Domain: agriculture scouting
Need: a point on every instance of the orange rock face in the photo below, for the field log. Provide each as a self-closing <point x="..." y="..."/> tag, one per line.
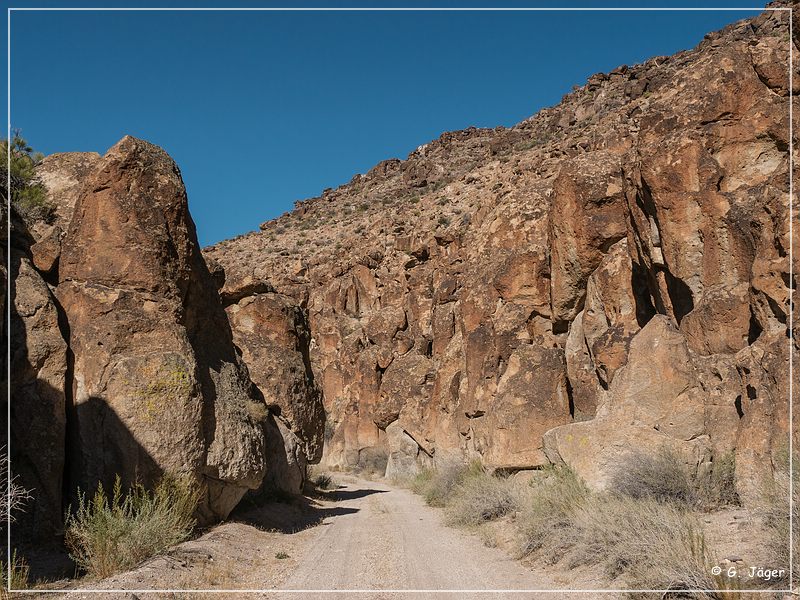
<point x="613" y="269"/>
<point x="155" y="384"/>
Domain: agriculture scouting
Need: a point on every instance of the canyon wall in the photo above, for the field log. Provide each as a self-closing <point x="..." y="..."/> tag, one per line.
<point x="610" y="274"/>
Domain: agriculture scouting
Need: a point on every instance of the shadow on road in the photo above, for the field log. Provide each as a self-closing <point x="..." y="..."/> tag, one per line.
<point x="290" y="514"/>
<point x="340" y="494"/>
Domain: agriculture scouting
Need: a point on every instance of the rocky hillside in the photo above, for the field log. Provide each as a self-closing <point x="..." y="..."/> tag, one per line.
<point x="610" y="273"/>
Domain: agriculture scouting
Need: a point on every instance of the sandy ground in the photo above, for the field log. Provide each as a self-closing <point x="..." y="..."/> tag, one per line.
<point x="364" y="536"/>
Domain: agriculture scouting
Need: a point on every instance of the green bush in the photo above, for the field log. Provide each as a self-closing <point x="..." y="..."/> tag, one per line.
<point x="27" y="195"/>
<point x="106" y="535"/>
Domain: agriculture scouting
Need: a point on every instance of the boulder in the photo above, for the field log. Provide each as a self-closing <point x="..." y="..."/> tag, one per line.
<point x="273" y="334"/>
<point x="157" y="385"/>
<point x="655" y="401"/>
<point x="286" y="471"/>
<point x="38" y="414"/>
<point x="62" y="174"/>
<point x="587" y="217"/>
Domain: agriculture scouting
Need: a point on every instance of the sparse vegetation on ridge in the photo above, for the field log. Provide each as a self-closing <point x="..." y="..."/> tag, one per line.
<point x="27" y="195"/>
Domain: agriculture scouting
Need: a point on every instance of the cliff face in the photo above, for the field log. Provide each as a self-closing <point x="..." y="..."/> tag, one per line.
<point x="123" y="359"/>
<point x="610" y="272"/>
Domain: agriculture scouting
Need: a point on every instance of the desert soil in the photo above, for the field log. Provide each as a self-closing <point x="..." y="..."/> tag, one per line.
<point x="364" y="535"/>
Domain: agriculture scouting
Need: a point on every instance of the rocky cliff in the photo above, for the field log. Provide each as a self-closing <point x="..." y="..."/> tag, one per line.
<point x="123" y="359"/>
<point x="611" y="273"/>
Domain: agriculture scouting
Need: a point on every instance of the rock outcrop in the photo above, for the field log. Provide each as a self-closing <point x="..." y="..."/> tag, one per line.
<point x="273" y="335"/>
<point x="155" y="384"/>
<point x="38" y="376"/>
<point x="613" y="270"/>
<point x="62" y="175"/>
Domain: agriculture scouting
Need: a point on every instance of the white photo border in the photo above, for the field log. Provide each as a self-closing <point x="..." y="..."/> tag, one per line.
<point x="789" y="9"/>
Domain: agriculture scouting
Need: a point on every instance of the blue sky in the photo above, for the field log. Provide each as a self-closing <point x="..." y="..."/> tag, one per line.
<point x="260" y="109"/>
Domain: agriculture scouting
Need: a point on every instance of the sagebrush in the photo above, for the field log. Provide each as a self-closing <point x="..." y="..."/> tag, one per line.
<point x="437" y="485"/>
<point x="547" y="517"/>
<point x="108" y="534"/>
<point x="652" y="544"/>
<point x="665" y="476"/>
<point x="644" y="533"/>
<point x="13" y="575"/>
<point x="775" y="508"/>
<point x="481" y="497"/>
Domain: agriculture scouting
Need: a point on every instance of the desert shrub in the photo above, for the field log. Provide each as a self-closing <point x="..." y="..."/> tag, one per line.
<point x="656" y="545"/>
<point x="774" y="507"/>
<point x="27" y="195"/>
<point x="663" y="476"/>
<point x="420" y="481"/>
<point x="719" y="487"/>
<point x="258" y="411"/>
<point x="106" y="535"/>
<point x="437" y="485"/>
<point x="14" y="577"/>
<point x="323" y="481"/>
<point x="546" y="520"/>
<point x="372" y="461"/>
<point x="14" y="497"/>
<point x="481" y="498"/>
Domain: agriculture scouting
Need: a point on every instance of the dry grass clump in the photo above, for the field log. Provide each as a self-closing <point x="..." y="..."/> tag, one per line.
<point x="437" y="485"/>
<point x="14" y="496"/>
<point x="106" y="535"/>
<point x="655" y="545"/>
<point x="480" y="498"/>
<point x="14" y="577"/>
<point x="643" y="531"/>
<point x="546" y="521"/>
<point x="774" y="507"/>
<point x="323" y="481"/>
<point x="664" y="476"/>
<point x="661" y="476"/>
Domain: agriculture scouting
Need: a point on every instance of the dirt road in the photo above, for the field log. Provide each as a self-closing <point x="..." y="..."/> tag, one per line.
<point x="387" y="538"/>
<point x="363" y="536"/>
